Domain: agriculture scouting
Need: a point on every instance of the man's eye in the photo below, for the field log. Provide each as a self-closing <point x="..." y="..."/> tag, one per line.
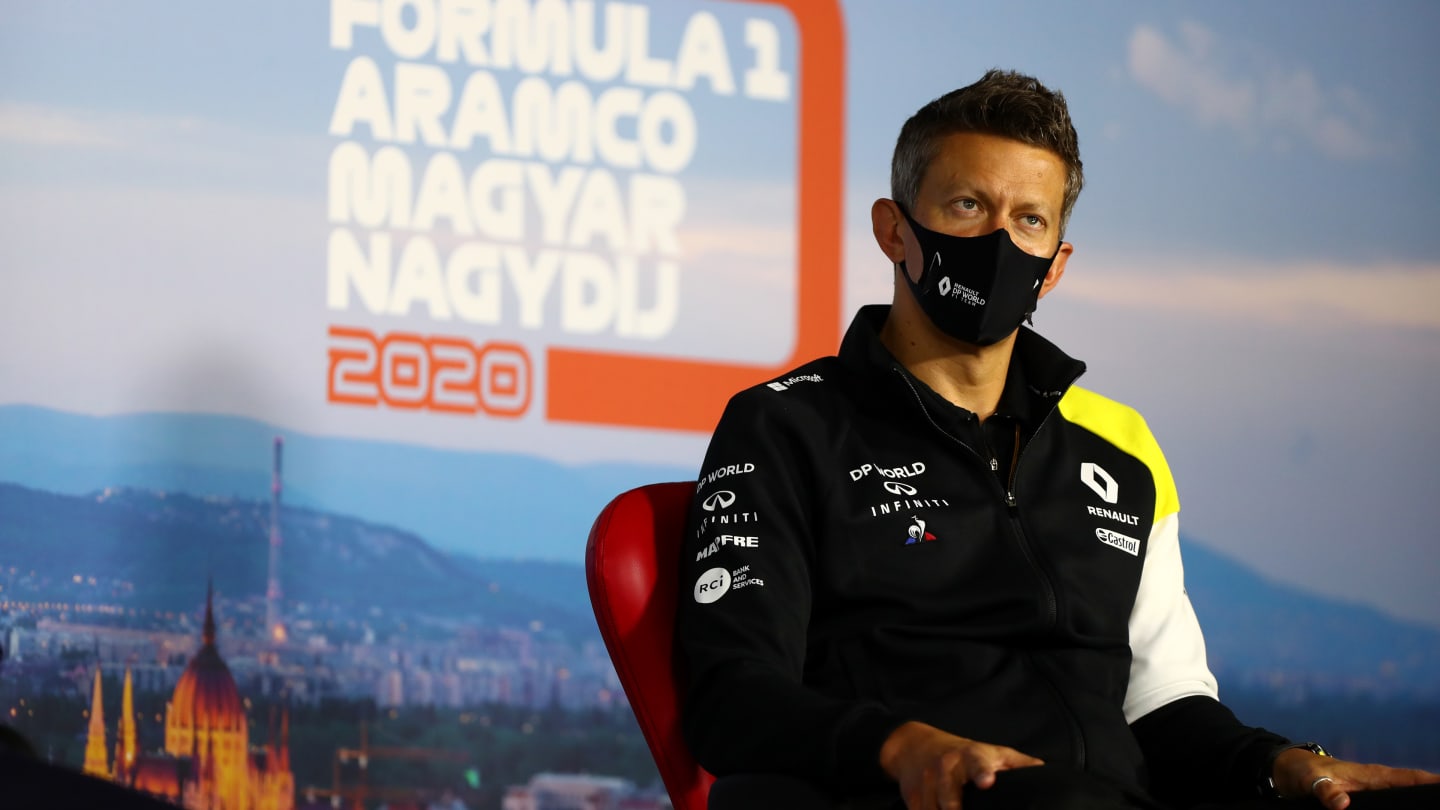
<point x="967" y="205"/>
<point x="1033" y="221"/>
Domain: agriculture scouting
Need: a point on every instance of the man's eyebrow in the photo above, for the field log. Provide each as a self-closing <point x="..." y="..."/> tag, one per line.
<point x="961" y="188"/>
<point x="1039" y="205"/>
<point x="1036" y="201"/>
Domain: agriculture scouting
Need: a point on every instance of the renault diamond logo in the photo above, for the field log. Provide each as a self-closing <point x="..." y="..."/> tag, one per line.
<point x="899" y="488"/>
<point x="945" y="286"/>
<point x="1094" y="476"/>
<point x="722" y="499"/>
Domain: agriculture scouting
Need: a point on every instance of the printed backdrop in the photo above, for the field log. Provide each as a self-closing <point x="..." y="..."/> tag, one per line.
<point x="329" y="328"/>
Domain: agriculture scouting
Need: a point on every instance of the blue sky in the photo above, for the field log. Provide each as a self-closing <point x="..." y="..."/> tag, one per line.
<point x="1278" y="129"/>
<point x="1254" y="270"/>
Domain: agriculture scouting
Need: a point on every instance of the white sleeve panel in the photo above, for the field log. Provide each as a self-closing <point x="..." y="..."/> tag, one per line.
<point x="1167" y="648"/>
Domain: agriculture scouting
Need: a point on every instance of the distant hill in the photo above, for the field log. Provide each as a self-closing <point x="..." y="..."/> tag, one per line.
<point x="1260" y="633"/>
<point x="156" y="550"/>
<point x="558" y="584"/>
<point x="500" y="505"/>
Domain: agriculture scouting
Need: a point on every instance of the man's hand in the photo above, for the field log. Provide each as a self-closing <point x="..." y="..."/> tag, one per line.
<point x="1301" y="773"/>
<point x="932" y="766"/>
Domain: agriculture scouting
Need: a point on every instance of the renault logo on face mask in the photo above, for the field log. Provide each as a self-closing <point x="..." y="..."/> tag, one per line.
<point x="722" y="499"/>
<point x="1094" y="476"/>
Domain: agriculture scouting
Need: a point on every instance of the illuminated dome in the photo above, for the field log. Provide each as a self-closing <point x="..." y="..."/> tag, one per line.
<point x="206" y="696"/>
<point x="206" y="702"/>
<point x="208" y="760"/>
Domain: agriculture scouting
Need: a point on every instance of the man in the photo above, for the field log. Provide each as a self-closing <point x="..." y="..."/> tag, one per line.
<point x="932" y="567"/>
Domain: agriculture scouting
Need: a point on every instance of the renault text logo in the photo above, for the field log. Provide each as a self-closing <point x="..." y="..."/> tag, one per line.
<point x="899" y="488"/>
<point x="1099" y="482"/>
<point x="723" y="499"/>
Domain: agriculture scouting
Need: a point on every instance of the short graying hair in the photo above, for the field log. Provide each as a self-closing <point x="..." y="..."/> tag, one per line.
<point x="1005" y="103"/>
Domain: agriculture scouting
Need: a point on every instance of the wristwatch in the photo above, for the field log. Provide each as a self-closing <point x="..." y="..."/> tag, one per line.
<point x="1266" y="782"/>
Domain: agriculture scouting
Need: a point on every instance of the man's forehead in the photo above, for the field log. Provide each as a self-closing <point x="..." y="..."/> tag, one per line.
<point x="979" y="159"/>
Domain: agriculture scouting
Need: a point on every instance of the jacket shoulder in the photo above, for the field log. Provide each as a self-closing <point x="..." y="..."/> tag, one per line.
<point x="1124" y="427"/>
<point x="808" y="386"/>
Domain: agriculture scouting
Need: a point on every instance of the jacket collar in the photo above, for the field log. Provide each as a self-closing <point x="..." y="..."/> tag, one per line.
<point x="1039" y="375"/>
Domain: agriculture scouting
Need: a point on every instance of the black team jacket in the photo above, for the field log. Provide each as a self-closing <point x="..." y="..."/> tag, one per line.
<point x="862" y="553"/>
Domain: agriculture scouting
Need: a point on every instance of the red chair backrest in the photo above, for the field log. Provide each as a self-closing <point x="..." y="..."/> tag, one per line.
<point x="631" y="563"/>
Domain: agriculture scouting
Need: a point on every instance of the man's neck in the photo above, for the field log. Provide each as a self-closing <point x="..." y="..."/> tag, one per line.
<point x="967" y="375"/>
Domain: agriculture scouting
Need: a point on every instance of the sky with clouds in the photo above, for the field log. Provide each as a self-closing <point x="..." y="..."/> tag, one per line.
<point x="1255" y="251"/>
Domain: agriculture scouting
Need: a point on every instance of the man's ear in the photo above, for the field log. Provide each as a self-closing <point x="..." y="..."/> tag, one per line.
<point x="1057" y="268"/>
<point x="886" y="222"/>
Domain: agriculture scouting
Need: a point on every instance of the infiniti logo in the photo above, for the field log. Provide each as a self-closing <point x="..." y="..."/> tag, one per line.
<point x="722" y="499"/>
<point x="899" y="488"/>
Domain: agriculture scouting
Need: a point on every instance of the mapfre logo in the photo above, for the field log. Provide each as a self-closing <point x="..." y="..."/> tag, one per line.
<point x="720" y="499"/>
<point x="1100" y="482"/>
<point x="712" y="585"/>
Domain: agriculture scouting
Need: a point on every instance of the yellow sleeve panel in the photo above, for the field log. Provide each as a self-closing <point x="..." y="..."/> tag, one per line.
<point x="1125" y="428"/>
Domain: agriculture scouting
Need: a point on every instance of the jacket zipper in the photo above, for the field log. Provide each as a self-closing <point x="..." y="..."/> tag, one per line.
<point x="1048" y="585"/>
<point x="1014" y="465"/>
<point x="1077" y="733"/>
<point x="1051" y="604"/>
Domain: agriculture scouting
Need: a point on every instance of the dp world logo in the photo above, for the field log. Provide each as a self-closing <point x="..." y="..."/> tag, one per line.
<point x="944" y="286"/>
<point x="1094" y="476"/>
<point x="723" y="499"/>
<point x="899" y="488"/>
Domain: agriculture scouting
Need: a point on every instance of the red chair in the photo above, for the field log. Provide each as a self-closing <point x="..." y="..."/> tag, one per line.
<point x="631" y="561"/>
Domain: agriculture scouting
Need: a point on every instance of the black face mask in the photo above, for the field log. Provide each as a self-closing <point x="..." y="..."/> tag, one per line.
<point x="976" y="288"/>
